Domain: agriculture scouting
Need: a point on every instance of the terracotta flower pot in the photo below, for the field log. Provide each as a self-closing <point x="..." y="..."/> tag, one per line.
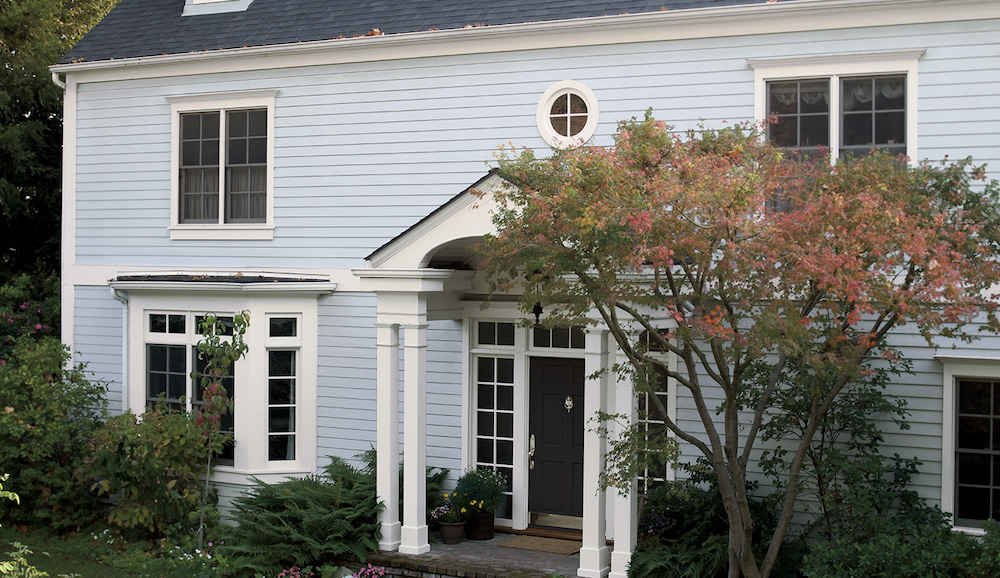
<point x="452" y="532"/>
<point x="480" y="527"/>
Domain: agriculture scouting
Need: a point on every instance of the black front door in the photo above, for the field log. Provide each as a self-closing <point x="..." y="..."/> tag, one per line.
<point x="555" y="420"/>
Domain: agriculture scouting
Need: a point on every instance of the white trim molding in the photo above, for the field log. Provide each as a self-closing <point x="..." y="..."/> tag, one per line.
<point x="544" y="114"/>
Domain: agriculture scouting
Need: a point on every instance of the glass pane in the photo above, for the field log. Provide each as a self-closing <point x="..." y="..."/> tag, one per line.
<point x="157" y="323"/>
<point x="890" y="127"/>
<point x="280" y="447"/>
<point x="974" y="469"/>
<point x="576" y="124"/>
<point x="857" y="129"/>
<point x="508" y="475"/>
<point x="505" y="397"/>
<point x="974" y="433"/>
<point x="814" y="96"/>
<point x="505" y="334"/>
<point x="505" y="370"/>
<point x="486" y="369"/>
<point x="505" y="425"/>
<point x="190" y="153"/>
<point x="484" y="450"/>
<point x="560" y="337"/>
<point x="237" y="151"/>
<point x="257" y="151"/>
<point x="784" y="132"/>
<point x="281" y="419"/>
<point x="487" y="333"/>
<point x="815" y="131"/>
<point x="485" y="423"/>
<point x="505" y="452"/>
<point x="577" y="105"/>
<point x="175" y="359"/>
<point x="281" y="363"/>
<point x="578" y="338"/>
<point x="974" y="397"/>
<point x="210" y="153"/>
<point x="156" y="385"/>
<point x="485" y="400"/>
<point x="541" y="337"/>
<point x="282" y="326"/>
<point x="857" y="95"/>
<point x="176" y="323"/>
<point x="890" y="93"/>
<point x="561" y="105"/>
<point x="190" y="126"/>
<point x="560" y="125"/>
<point x="257" y="122"/>
<point x="281" y="391"/>
<point x="237" y="120"/>
<point x="973" y="503"/>
<point x="783" y="97"/>
<point x="176" y="385"/>
<point x="209" y="125"/>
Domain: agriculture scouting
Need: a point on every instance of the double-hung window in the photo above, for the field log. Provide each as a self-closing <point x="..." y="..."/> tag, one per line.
<point x="848" y="104"/>
<point x="223" y="166"/>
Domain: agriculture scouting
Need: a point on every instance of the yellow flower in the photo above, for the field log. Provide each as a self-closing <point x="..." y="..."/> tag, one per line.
<point x="472" y="503"/>
<point x="463" y="510"/>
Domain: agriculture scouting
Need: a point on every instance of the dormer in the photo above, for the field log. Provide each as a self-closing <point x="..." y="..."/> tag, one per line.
<point x="199" y="7"/>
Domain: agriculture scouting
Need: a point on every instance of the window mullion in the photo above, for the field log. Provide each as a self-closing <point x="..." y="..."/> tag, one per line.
<point x="223" y="157"/>
<point x="836" y="118"/>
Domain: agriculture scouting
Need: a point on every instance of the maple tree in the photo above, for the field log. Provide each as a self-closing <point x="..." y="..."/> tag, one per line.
<point x="752" y="268"/>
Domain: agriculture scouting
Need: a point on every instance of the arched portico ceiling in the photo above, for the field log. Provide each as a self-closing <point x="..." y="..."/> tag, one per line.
<point x="444" y="238"/>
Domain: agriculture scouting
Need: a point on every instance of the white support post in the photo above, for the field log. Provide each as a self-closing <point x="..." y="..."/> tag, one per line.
<point x="387" y="438"/>
<point x="594" y="553"/>
<point x="414" y="531"/>
<point x="626" y="510"/>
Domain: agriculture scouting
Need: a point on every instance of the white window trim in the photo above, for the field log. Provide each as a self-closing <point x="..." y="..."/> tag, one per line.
<point x="251" y="372"/>
<point x="220" y="102"/>
<point x="956" y="368"/>
<point x="835" y="67"/>
<point x="558" y="89"/>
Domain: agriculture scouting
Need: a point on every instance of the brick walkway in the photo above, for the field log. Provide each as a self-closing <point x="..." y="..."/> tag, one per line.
<point x="479" y="559"/>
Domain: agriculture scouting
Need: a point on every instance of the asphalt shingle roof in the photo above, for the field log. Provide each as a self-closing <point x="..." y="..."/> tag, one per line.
<point x="152" y="27"/>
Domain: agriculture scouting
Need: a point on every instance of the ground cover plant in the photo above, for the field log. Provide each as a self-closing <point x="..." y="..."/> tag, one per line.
<point x="304" y="521"/>
<point x="750" y="268"/>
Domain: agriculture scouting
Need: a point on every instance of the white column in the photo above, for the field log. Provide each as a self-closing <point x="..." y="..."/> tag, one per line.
<point x="594" y="553"/>
<point x="387" y="438"/>
<point x="414" y="531"/>
<point x="626" y="510"/>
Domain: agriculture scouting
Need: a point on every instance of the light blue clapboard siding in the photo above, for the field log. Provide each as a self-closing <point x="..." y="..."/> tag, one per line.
<point x="353" y="139"/>
<point x="347" y="382"/>
<point x="98" y="339"/>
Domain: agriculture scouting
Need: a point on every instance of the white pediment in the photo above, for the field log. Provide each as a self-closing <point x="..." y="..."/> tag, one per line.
<point x="445" y="235"/>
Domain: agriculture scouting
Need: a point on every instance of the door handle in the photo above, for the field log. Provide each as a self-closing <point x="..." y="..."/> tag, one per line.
<point x="531" y="452"/>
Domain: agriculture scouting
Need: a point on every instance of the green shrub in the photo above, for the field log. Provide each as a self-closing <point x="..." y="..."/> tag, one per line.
<point x="925" y="552"/>
<point x="48" y="411"/>
<point x="303" y="521"/>
<point x="150" y="467"/>
<point x="29" y="306"/>
<point x="480" y="490"/>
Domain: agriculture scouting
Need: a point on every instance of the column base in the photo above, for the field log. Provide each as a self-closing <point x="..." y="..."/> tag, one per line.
<point x="619" y="564"/>
<point x="390" y="537"/>
<point x="594" y="562"/>
<point x="414" y="540"/>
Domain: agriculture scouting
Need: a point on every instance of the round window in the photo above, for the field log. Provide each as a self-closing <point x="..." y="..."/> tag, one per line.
<point x="567" y="114"/>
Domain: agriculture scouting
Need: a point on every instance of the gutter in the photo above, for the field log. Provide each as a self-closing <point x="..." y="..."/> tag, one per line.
<point x="57" y="82"/>
<point x="666" y="22"/>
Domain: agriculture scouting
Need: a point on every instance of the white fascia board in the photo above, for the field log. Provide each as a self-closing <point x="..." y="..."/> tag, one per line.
<point x="753" y="19"/>
<point x="315" y="287"/>
<point x="413" y="280"/>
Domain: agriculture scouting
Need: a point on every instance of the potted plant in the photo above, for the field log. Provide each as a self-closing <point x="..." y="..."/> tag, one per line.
<point x="480" y="492"/>
<point x="450" y="518"/>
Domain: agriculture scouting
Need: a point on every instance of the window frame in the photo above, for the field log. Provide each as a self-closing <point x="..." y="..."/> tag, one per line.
<point x="835" y="68"/>
<point x="958" y="368"/>
<point x="542" y="114"/>
<point x="251" y="371"/>
<point x="221" y="103"/>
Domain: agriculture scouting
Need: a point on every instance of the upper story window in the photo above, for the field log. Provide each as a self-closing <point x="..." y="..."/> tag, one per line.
<point x="567" y="114"/>
<point x="871" y="115"/>
<point x="223" y="166"/>
<point x="847" y="103"/>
